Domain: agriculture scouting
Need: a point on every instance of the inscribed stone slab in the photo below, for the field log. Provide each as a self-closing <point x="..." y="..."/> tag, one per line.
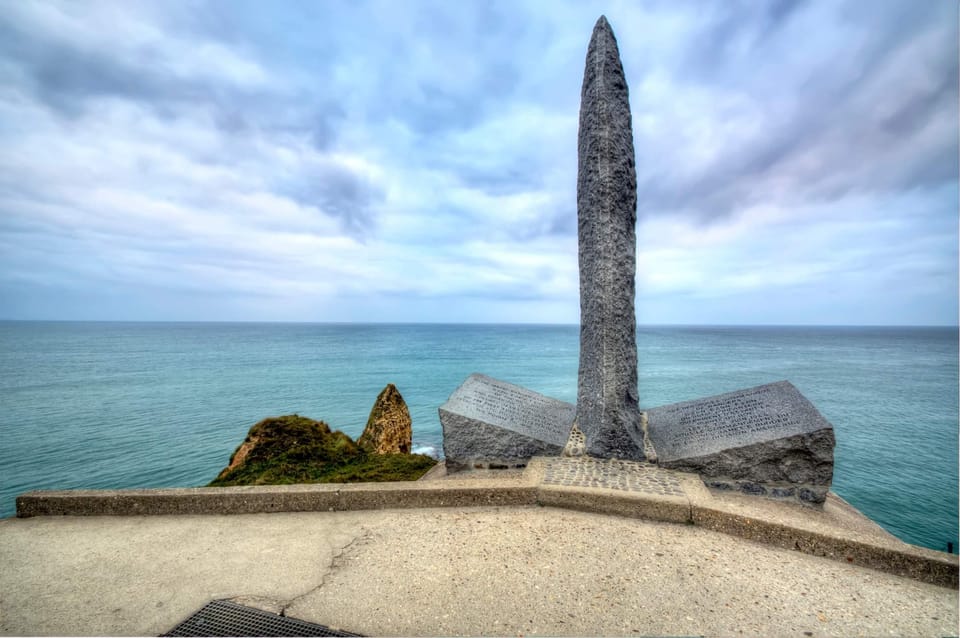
<point x="764" y="440"/>
<point x="489" y="422"/>
<point x="736" y="419"/>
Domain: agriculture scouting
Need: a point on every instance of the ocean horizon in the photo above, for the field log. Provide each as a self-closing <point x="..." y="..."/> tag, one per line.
<point x="477" y="323"/>
<point x="124" y="404"/>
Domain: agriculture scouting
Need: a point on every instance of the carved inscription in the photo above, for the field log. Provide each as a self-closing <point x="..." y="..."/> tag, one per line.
<point x="705" y="426"/>
<point x="513" y="408"/>
<point x="720" y="420"/>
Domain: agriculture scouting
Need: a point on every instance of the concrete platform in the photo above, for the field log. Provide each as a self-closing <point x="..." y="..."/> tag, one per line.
<point x="477" y="554"/>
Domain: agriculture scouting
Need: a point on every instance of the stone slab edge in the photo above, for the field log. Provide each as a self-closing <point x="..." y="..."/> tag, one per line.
<point x="937" y="568"/>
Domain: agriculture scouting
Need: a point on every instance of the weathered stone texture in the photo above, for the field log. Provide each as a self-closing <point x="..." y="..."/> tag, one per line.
<point x="768" y="440"/>
<point x="607" y="400"/>
<point x="389" y="428"/>
<point x="494" y="424"/>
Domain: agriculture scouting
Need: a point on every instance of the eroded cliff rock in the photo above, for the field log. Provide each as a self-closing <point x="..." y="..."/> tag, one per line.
<point x="389" y="429"/>
<point x="298" y="449"/>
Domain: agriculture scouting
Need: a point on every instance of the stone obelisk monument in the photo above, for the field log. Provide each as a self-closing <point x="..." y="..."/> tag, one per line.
<point x="607" y="403"/>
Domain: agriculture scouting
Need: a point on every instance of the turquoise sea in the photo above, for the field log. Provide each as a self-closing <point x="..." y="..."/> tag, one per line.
<point x="119" y="405"/>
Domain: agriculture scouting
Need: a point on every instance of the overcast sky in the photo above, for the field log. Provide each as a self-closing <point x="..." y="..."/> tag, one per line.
<point x="416" y="161"/>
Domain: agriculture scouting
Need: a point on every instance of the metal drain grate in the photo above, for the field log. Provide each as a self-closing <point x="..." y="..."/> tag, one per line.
<point x="224" y="618"/>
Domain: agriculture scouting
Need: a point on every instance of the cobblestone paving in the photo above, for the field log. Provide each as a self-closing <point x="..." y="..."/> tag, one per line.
<point x="630" y="476"/>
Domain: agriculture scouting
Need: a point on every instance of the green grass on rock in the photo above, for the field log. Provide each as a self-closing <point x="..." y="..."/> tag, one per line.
<point x="296" y="449"/>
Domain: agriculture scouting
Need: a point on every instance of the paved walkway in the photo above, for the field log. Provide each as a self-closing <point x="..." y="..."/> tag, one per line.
<point x="504" y="570"/>
<point x="628" y="476"/>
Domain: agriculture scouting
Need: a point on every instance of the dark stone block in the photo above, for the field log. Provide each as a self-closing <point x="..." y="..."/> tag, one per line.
<point x="756" y="489"/>
<point x="491" y="423"/>
<point x="783" y="492"/>
<point x="768" y="435"/>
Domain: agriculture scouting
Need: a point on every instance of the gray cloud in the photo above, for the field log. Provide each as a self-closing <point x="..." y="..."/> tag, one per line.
<point x="64" y="75"/>
<point x="341" y="193"/>
<point x="563" y="222"/>
<point x="323" y="125"/>
<point x="512" y="178"/>
<point x="69" y="75"/>
<point x="734" y="30"/>
<point x="451" y="64"/>
<point x="860" y="123"/>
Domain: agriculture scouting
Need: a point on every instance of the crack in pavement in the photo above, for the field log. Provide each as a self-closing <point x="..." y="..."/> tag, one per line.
<point x="363" y="537"/>
<point x="279" y="606"/>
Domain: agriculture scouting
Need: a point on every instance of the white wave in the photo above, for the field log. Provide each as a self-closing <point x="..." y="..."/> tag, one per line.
<point x="429" y="450"/>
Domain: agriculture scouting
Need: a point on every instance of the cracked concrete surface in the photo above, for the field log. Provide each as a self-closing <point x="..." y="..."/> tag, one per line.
<point x="335" y="563"/>
<point x="549" y="571"/>
<point x="143" y="575"/>
<point x="454" y="571"/>
<point x="280" y="606"/>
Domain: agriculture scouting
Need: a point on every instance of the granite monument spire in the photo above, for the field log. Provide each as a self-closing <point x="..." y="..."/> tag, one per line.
<point x="608" y="411"/>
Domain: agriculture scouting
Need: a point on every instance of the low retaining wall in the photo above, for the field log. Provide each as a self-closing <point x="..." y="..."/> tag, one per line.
<point x="267" y="499"/>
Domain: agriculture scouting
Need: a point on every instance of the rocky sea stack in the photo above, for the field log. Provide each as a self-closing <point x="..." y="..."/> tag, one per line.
<point x="389" y="428"/>
<point x="297" y="449"/>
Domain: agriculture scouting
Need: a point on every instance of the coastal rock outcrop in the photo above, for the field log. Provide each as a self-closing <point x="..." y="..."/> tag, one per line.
<point x="389" y="428"/>
<point x="297" y="449"/>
